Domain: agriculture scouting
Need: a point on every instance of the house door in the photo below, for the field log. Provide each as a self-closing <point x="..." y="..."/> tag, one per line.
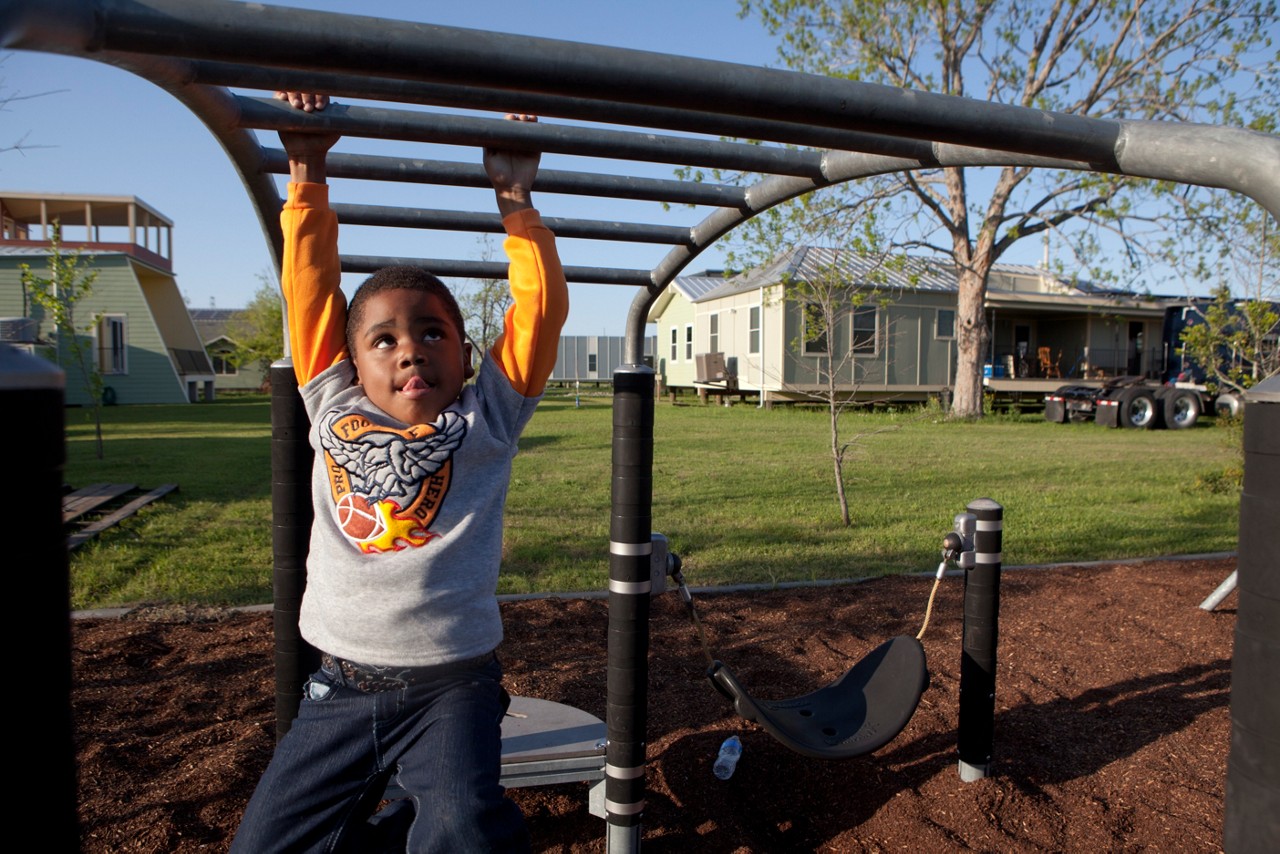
<point x="1134" y="367"/>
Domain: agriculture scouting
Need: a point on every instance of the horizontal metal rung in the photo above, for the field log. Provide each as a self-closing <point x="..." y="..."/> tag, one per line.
<point x="257" y="76"/>
<point x="373" y="167"/>
<point x="493" y="270"/>
<point x="381" y="215"/>
<point x="375" y="122"/>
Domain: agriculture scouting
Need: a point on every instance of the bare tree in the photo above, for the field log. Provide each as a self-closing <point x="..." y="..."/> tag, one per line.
<point x="484" y="304"/>
<point x="9" y="96"/>
<point x="839" y="299"/>
<point x="1188" y="60"/>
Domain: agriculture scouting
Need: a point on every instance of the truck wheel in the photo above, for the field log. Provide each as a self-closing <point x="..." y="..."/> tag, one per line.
<point x="1181" y="410"/>
<point x="1138" y="409"/>
<point x="1227" y="406"/>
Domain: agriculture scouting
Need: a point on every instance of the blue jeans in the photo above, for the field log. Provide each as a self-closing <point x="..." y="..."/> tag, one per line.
<point x="439" y="740"/>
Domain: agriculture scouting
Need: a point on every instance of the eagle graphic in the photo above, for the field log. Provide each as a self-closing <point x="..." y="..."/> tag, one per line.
<point x="388" y="483"/>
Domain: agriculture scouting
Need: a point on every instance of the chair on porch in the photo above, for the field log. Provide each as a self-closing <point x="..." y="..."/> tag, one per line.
<point x="1049" y="367"/>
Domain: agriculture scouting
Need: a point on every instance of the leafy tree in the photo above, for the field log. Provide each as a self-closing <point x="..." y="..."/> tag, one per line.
<point x="1236" y="249"/>
<point x="1187" y="60"/>
<point x="259" y="330"/>
<point x="70" y="282"/>
<point x="1234" y="342"/>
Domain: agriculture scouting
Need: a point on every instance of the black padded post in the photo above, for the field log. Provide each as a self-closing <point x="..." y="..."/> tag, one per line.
<point x="1252" y="821"/>
<point x="32" y="389"/>
<point x="630" y="547"/>
<point x="291" y="514"/>
<point x="978" y="662"/>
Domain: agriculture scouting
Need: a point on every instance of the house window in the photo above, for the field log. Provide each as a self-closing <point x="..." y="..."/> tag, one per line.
<point x="714" y="341"/>
<point x="866" y="327"/>
<point x="113" y="344"/>
<point x="688" y="343"/>
<point x="753" y="330"/>
<point x="222" y="365"/>
<point x="591" y="363"/>
<point x="815" y="332"/>
<point x="945" y="323"/>
<point x="675" y="344"/>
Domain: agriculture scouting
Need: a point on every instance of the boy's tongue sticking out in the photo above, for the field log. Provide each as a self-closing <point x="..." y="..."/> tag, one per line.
<point x="415" y="386"/>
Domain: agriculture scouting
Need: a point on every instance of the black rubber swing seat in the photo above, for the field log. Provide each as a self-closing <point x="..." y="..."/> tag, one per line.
<point x="860" y="712"/>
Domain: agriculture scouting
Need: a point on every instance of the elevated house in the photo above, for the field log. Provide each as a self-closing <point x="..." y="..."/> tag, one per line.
<point x="743" y="334"/>
<point x="145" y="342"/>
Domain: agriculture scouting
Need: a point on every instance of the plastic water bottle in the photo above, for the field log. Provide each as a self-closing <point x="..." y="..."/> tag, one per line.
<point x="728" y="758"/>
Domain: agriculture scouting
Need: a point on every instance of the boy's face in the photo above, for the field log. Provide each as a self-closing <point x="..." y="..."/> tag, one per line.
<point x="409" y="355"/>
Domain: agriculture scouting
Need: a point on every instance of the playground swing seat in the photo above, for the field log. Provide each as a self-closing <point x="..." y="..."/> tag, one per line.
<point x="858" y="713"/>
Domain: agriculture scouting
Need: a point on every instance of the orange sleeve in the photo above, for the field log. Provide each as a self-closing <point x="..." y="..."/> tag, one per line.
<point x="310" y="277"/>
<point x="526" y="349"/>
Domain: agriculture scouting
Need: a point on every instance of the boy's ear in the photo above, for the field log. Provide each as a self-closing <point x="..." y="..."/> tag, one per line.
<point x="469" y="370"/>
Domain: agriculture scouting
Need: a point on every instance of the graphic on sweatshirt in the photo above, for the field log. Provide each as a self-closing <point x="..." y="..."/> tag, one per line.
<point x="388" y="484"/>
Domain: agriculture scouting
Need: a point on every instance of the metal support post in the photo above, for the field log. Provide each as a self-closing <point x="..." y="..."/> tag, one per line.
<point x="630" y="583"/>
<point x="978" y="662"/>
<point x="291" y="514"/>
<point x="1252" y="822"/>
<point x="32" y="389"/>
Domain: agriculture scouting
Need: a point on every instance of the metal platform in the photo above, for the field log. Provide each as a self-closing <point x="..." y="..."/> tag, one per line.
<point x="544" y="743"/>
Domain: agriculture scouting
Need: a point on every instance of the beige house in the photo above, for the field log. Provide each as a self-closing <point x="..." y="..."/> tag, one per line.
<point x="901" y="340"/>
<point x="145" y="343"/>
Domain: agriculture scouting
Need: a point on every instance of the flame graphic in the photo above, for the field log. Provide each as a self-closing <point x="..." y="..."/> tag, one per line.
<point x="398" y="532"/>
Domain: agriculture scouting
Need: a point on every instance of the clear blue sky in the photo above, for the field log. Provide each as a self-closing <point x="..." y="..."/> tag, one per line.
<point x="115" y="134"/>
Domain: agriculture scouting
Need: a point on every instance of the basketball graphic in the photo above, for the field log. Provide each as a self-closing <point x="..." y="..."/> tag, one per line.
<point x="357" y="519"/>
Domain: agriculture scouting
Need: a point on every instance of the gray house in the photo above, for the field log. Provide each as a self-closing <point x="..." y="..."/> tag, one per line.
<point x="218" y="329"/>
<point x="744" y="333"/>
<point x="593" y="358"/>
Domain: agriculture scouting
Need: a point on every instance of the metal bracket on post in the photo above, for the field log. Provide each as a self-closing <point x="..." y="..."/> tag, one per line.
<point x="965" y="525"/>
<point x="660" y="561"/>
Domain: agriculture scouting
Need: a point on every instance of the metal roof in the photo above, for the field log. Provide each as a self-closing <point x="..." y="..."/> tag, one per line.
<point x="908" y="273"/>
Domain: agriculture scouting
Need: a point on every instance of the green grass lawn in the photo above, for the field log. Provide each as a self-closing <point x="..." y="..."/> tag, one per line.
<point x="745" y="495"/>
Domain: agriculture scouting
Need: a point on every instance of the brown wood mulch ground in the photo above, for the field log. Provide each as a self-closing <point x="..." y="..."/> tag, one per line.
<point x="1112" y="719"/>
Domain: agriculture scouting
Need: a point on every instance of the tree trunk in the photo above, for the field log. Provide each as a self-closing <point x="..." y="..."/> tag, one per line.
<point x="837" y="462"/>
<point x="972" y="336"/>
<point x="837" y="453"/>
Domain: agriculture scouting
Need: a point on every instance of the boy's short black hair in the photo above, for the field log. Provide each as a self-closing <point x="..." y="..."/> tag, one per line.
<point x="395" y="279"/>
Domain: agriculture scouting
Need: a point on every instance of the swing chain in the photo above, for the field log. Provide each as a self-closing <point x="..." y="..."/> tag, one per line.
<point x="957" y="548"/>
<point x="678" y="577"/>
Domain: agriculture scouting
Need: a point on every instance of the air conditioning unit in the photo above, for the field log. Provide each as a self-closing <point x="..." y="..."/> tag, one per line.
<point x="710" y="368"/>
<point x="18" y="330"/>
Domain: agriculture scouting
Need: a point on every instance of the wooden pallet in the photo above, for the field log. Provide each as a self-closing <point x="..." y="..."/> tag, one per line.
<point x="90" y="498"/>
<point x="83" y="500"/>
